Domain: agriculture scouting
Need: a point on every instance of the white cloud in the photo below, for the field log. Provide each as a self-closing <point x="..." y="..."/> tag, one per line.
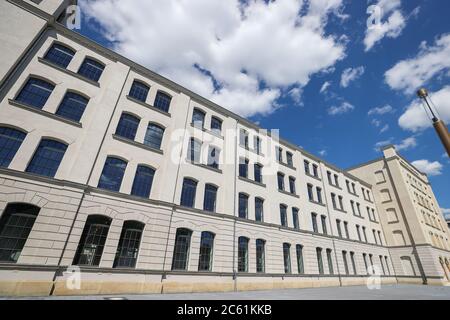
<point x="296" y="95"/>
<point x="381" y="144"/>
<point x="343" y="108"/>
<point x="242" y="55"/>
<point x="406" y="144"/>
<point x="351" y="74"/>
<point x="376" y="122"/>
<point x="408" y="75"/>
<point x="325" y="86"/>
<point x="380" y="110"/>
<point x="385" y="128"/>
<point x="391" y="27"/>
<point x="429" y="168"/>
<point x="415" y="118"/>
<point x="323" y="153"/>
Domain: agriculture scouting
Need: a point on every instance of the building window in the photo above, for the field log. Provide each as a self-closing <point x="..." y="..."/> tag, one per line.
<point x="188" y="193"/>
<point x="143" y="180"/>
<point x="213" y="157"/>
<point x="295" y="218"/>
<point x="259" y="209"/>
<point x="283" y="215"/>
<point x="243" y="254"/>
<point x="72" y="106"/>
<point x="260" y="255"/>
<point x="364" y="233"/>
<point x="257" y="145"/>
<point x="292" y="185"/>
<point x="205" y="258"/>
<point x="374" y="236"/>
<point x="153" y="136"/>
<point x="257" y="168"/>
<point x="216" y="125"/>
<point x="382" y="265"/>
<point x="128" y="248"/>
<point x="324" y="224"/>
<point x="387" y="265"/>
<point x="92" y="241"/>
<point x="315" y="170"/>
<point x="181" y="249"/>
<point x="243" y="168"/>
<point x="162" y="101"/>
<point x="279" y="154"/>
<point x="347" y="235"/>
<point x="333" y="200"/>
<point x="91" y="69"/>
<point x="300" y="265"/>
<point x="35" y="93"/>
<point x="341" y="203"/>
<point x="336" y="180"/>
<point x="352" y="204"/>
<point x="365" y="263"/>
<point x="243" y="206"/>
<point x="306" y="165"/>
<point x="319" y="260"/>
<point x="16" y="223"/>
<point x="209" y="201"/>
<point x="139" y="91"/>
<point x="280" y="178"/>
<point x="314" y="222"/>
<point x="352" y="257"/>
<point x="289" y="159"/>
<point x="319" y="195"/>
<point x="47" y="158"/>
<point x="112" y="174"/>
<point x="127" y="127"/>
<point x="59" y="55"/>
<point x="371" y="262"/>
<point x="379" y="237"/>
<point x="10" y="141"/>
<point x="287" y="257"/>
<point x="329" y="178"/>
<point x="194" y="150"/>
<point x="344" y="257"/>
<point x="338" y="225"/>
<point x="198" y="118"/>
<point x="310" y="192"/>
<point x="330" y="261"/>
<point x="243" y="138"/>
<point x="358" y="232"/>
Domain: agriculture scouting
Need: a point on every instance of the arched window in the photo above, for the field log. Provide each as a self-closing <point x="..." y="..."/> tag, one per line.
<point x="259" y="209"/>
<point x="153" y="136"/>
<point x="181" y="249"/>
<point x="92" y="241"/>
<point x="206" y="251"/>
<point x="127" y="127"/>
<point x="243" y="254"/>
<point x="16" y="223"/>
<point x="162" y="101"/>
<point x="47" y="158"/>
<point x="91" y="69"/>
<point x="209" y="201"/>
<point x="260" y="255"/>
<point x="35" y="93"/>
<point x="72" y="106"/>
<point x="10" y="141"/>
<point x="129" y="242"/>
<point x="143" y="180"/>
<point x="112" y="174"/>
<point x="59" y="55"/>
<point x="243" y="206"/>
<point x="139" y="91"/>
<point x="300" y="264"/>
<point x="287" y="257"/>
<point x="194" y="150"/>
<point x="188" y="192"/>
<point x="198" y="118"/>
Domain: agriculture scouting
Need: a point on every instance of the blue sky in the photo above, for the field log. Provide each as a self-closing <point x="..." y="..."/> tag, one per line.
<point x="312" y="69"/>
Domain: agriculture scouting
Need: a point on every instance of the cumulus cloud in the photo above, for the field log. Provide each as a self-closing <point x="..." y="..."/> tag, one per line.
<point x="296" y="95"/>
<point x="415" y="117"/>
<point x="408" y="75"/>
<point x="325" y="86"/>
<point x="429" y="168"/>
<point x="406" y="144"/>
<point x="392" y="26"/>
<point x="351" y="74"/>
<point x="240" y="54"/>
<point x="380" y="110"/>
<point x="343" y="108"/>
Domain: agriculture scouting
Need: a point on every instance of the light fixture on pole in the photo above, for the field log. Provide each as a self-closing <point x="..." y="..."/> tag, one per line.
<point x="439" y="125"/>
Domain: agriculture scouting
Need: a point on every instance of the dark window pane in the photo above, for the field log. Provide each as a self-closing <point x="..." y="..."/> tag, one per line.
<point x="47" y="158"/>
<point x="300" y="265"/>
<point x="35" y="93"/>
<point x="16" y="223"/>
<point x="153" y="136"/>
<point x="143" y="180"/>
<point x="198" y="118"/>
<point x="216" y="125"/>
<point x="139" y="91"/>
<point x="242" y="254"/>
<point x="283" y="216"/>
<point x="259" y="209"/>
<point x="127" y="126"/>
<point x="59" y="55"/>
<point x="10" y="141"/>
<point x="72" y="107"/>
<point x="194" y="150"/>
<point x="243" y="206"/>
<point x="330" y="262"/>
<point x="181" y="249"/>
<point x="280" y="178"/>
<point x="260" y="255"/>
<point x="209" y="201"/>
<point x="128" y="248"/>
<point x="112" y="174"/>
<point x="287" y="257"/>
<point x="91" y="69"/>
<point x="162" y="101"/>
<point x="319" y="260"/>
<point x="295" y="218"/>
<point x="206" y="251"/>
<point x="188" y="193"/>
<point x="243" y="168"/>
<point x="258" y="173"/>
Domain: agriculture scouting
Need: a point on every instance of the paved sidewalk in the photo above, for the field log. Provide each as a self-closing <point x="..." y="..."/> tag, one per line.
<point x="387" y="292"/>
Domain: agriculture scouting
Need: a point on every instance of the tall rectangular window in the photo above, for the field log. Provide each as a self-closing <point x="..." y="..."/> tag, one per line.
<point x="243" y="254"/>
<point x="319" y="195"/>
<point x="341" y="203"/>
<point x="188" y="193"/>
<point x="364" y="234"/>
<point x="295" y="218"/>
<point x="338" y="225"/>
<point x="306" y="165"/>
<point x="379" y="237"/>
<point x="314" y="222"/>
<point x="35" y="93"/>
<point x="198" y="118"/>
<point x="216" y="125"/>
<point x="257" y="145"/>
<point x="205" y="257"/>
<point x="382" y="265"/>
<point x="259" y="209"/>
<point x="310" y="192"/>
<point x="344" y="258"/>
<point x="243" y="138"/>
<point x="257" y="168"/>
<point x="358" y="232"/>
<point x="194" y="150"/>
<point x="181" y="249"/>
<point x="300" y="264"/>
<point x="333" y="200"/>
<point x="243" y="167"/>
<point x="283" y="215"/>
<point x="287" y="257"/>
<point x="47" y="158"/>
<point x="352" y="257"/>
<point x="260" y="255"/>
<point x="319" y="260"/>
<point x="243" y="206"/>
<point x="91" y="69"/>
<point x="210" y="198"/>
<point x="365" y="263"/>
<point x="143" y="181"/>
<point x="129" y="242"/>
<point x="153" y="136"/>
<point x="324" y="224"/>
<point x="347" y="235"/>
<point x="289" y="160"/>
<point x="279" y="154"/>
<point x="59" y="55"/>
<point x="292" y="185"/>
<point x="280" y="178"/>
<point x="10" y="141"/>
<point x="139" y="91"/>
<point x="330" y="261"/>
<point x="315" y="170"/>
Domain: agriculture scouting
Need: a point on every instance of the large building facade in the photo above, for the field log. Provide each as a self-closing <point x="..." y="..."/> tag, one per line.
<point x="114" y="179"/>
